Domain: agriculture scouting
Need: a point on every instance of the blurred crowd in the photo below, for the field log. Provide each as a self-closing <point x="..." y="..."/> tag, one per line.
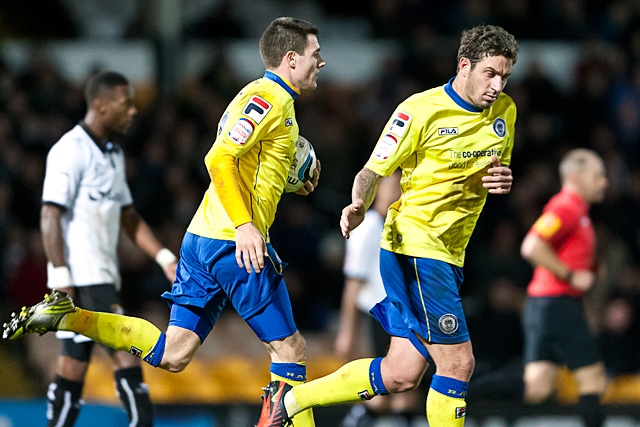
<point x="601" y="110"/>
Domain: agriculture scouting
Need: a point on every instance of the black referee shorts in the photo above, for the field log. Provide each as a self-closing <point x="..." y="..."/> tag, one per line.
<point x="555" y="329"/>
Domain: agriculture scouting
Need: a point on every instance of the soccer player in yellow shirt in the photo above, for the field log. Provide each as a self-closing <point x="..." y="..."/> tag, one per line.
<point x="225" y="255"/>
<point x="452" y="144"/>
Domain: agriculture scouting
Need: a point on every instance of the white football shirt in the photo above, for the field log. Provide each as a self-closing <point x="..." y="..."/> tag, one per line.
<point x="362" y="260"/>
<point x="89" y="182"/>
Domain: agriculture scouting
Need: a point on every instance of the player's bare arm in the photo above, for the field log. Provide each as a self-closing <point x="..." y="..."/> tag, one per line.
<point x="365" y="187"/>
<point x="139" y="232"/>
<point x="53" y="243"/>
<point x="499" y="178"/>
<point x="52" y="236"/>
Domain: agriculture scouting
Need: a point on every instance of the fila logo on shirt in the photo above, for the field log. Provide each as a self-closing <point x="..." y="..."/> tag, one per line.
<point x="447" y="131"/>
<point x="400" y="123"/>
<point x="257" y="108"/>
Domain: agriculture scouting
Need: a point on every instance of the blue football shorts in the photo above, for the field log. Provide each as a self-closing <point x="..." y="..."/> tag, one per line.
<point x="422" y="298"/>
<point x="207" y="277"/>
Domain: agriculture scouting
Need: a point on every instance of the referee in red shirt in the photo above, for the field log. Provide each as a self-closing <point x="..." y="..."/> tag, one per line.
<point x="561" y="246"/>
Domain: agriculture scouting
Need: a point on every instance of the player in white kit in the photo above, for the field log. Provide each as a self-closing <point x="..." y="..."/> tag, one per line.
<point x="85" y="203"/>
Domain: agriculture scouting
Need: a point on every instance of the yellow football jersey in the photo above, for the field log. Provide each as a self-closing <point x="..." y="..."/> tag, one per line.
<point x="443" y="146"/>
<point x="259" y="129"/>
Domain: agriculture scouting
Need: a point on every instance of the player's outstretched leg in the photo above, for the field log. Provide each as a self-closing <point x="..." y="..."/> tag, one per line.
<point x="273" y="412"/>
<point x="40" y="318"/>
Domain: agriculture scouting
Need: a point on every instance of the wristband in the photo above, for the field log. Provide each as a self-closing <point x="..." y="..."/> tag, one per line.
<point x="164" y="257"/>
<point x="60" y="277"/>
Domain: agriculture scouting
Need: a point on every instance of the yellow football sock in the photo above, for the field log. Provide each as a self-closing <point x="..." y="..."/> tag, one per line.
<point x="345" y="385"/>
<point x="119" y="332"/>
<point x="305" y="418"/>
<point x="445" y="411"/>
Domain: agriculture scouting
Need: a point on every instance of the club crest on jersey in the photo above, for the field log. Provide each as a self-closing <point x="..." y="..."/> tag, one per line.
<point x="461" y="412"/>
<point x="385" y="147"/>
<point x="447" y="131"/>
<point x="400" y="123"/>
<point x="500" y="127"/>
<point x="257" y="108"/>
<point x="448" y="323"/>
<point x="288" y="122"/>
<point x="241" y="131"/>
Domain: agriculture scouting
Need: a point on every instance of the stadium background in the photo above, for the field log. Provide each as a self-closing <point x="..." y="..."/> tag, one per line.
<point x="576" y="83"/>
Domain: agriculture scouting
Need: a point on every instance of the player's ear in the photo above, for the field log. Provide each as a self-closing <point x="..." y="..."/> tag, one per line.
<point x="291" y="58"/>
<point x="464" y="65"/>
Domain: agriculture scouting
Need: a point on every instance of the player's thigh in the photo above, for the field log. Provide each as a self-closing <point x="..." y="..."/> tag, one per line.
<point x="274" y="322"/>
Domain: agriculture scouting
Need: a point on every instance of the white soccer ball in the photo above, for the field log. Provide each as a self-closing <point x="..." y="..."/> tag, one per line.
<point x="303" y="165"/>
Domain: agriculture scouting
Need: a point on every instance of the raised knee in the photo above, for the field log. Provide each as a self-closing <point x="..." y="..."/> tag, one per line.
<point x="174" y="364"/>
<point x="401" y="383"/>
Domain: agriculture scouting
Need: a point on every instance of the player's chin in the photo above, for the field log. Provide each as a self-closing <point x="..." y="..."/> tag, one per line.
<point x="485" y="104"/>
<point x="313" y="83"/>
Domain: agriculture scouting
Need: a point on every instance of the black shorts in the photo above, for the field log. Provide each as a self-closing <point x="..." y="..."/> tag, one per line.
<point x="555" y="329"/>
<point x="103" y="298"/>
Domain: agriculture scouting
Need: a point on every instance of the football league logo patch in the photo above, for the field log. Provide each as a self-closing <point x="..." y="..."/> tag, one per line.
<point x="241" y="131"/>
<point x="448" y="323"/>
<point x="257" y="108"/>
<point x="400" y="123"/>
<point x="385" y="147"/>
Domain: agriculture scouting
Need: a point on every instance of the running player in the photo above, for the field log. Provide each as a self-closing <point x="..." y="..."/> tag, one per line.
<point x="452" y="144"/>
<point x="225" y="254"/>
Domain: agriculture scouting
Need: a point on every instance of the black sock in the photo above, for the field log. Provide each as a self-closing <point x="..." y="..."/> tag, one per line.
<point x="591" y="410"/>
<point x="63" y="402"/>
<point x="134" y="395"/>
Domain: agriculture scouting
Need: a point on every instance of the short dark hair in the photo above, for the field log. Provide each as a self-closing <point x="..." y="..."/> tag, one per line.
<point x="283" y="35"/>
<point x="482" y="41"/>
<point x="101" y="82"/>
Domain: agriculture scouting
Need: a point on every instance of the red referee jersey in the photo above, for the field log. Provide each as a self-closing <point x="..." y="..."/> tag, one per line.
<point x="566" y="226"/>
